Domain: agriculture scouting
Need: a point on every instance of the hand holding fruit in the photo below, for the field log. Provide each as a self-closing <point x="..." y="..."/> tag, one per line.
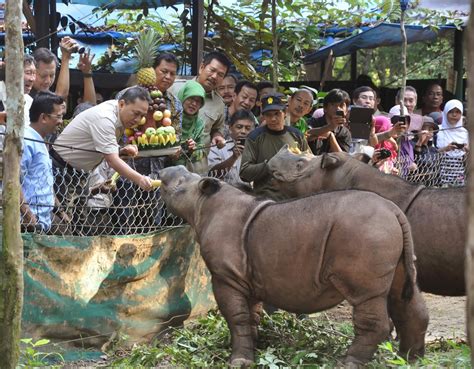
<point x="145" y="183"/>
<point x="129" y="150"/>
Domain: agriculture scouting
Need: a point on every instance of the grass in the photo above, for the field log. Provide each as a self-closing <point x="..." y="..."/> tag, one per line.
<point x="284" y="341"/>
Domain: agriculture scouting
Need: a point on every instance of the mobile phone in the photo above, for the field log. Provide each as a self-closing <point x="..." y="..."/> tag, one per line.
<point x="405" y="119"/>
<point x="241" y="141"/>
<point x="384" y="153"/>
<point x="458" y="145"/>
<point x="339" y="113"/>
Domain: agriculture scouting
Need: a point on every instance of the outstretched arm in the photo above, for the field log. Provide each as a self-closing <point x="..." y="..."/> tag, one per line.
<point x="85" y="66"/>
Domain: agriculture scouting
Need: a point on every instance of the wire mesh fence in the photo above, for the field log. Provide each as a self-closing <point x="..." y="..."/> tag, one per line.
<point x="79" y="203"/>
<point x="73" y="202"/>
<point x="434" y="169"/>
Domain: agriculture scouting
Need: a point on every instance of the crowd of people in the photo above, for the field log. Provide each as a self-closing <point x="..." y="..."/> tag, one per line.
<point x="228" y="127"/>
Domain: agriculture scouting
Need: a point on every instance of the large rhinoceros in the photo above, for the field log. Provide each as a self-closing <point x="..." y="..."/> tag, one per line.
<point x="303" y="256"/>
<point x="437" y="215"/>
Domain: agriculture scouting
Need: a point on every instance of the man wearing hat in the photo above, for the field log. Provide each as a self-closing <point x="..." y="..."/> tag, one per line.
<point x="264" y="142"/>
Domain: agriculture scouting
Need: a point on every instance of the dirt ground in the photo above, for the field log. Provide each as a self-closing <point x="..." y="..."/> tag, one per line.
<point x="447" y="316"/>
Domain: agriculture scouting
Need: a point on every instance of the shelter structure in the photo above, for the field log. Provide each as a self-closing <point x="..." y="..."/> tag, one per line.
<point x="383" y="34"/>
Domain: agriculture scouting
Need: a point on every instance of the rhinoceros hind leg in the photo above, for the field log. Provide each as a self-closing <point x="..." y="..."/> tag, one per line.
<point x="234" y="306"/>
<point x="371" y="327"/>
<point x="256" y="309"/>
<point x="410" y="317"/>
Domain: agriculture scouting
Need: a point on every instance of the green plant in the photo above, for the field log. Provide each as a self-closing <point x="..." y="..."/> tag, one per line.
<point x="285" y="340"/>
<point x="31" y="357"/>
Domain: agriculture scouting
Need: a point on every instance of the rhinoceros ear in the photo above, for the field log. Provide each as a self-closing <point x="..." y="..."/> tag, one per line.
<point x="329" y="161"/>
<point x="209" y="186"/>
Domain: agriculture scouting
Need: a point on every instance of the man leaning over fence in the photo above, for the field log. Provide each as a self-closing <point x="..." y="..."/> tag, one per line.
<point x="93" y="136"/>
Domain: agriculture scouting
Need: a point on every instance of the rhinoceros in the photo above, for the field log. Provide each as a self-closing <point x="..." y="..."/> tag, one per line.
<point x="437" y="215"/>
<point x="303" y="256"/>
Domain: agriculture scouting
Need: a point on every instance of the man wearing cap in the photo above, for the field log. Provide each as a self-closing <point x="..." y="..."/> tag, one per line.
<point x="264" y="142"/>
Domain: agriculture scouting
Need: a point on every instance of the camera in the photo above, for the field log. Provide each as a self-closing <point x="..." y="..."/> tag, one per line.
<point x="384" y="153"/>
<point x="339" y="113"/>
<point x="78" y="49"/>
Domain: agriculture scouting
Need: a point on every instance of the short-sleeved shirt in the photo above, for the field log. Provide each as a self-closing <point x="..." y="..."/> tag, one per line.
<point x="96" y="129"/>
<point x="37" y="177"/>
<point x="320" y="146"/>
<point x="217" y="156"/>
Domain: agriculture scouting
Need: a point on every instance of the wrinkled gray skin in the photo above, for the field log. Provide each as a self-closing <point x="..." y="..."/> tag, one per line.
<point x="303" y="256"/>
<point x="437" y="215"/>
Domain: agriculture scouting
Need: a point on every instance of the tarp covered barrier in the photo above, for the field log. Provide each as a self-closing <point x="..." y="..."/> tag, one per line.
<point x="100" y="288"/>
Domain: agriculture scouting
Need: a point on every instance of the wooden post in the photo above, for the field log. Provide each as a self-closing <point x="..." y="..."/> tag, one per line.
<point x="354" y="66"/>
<point x="197" y="23"/>
<point x="275" y="45"/>
<point x="469" y="268"/>
<point x="458" y="64"/>
<point x="41" y="10"/>
<point x="11" y="257"/>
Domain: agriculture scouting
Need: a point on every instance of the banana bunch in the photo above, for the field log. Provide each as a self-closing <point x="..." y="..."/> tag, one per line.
<point x="295" y="150"/>
<point x="157" y="138"/>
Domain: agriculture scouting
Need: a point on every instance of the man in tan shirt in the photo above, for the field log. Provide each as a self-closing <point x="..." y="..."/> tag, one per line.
<point x="94" y="134"/>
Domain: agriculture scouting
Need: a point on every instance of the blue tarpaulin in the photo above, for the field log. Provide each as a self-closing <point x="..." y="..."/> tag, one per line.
<point x="384" y="34"/>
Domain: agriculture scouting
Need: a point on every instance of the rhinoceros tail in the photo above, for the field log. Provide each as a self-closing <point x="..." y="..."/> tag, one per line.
<point x="408" y="257"/>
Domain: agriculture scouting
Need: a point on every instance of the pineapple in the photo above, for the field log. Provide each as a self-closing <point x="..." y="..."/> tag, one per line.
<point x="146" y="51"/>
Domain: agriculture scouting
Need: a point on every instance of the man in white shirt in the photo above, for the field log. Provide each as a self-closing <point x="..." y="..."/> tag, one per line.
<point x="225" y="162"/>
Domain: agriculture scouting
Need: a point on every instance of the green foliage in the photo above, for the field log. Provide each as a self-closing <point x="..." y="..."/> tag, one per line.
<point x="425" y="60"/>
<point x="302" y="27"/>
<point x="285" y="340"/>
<point x="30" y="356"/>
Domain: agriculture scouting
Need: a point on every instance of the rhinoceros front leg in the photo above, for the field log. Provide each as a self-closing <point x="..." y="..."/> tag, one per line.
<point x="371" y="327"/>
<point x="234" y="306"/>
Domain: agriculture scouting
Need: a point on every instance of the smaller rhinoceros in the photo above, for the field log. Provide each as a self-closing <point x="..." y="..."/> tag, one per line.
<point x="304" y="256"/>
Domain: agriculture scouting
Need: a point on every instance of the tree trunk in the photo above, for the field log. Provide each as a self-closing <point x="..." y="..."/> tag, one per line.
<point x="404" y="63"/>
<point x="11" y="257"/>
<point x="469" y="273"/>
<point x="275" y="44"/>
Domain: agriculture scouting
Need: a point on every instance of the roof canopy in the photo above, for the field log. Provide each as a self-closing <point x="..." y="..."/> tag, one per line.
<point x="384" y="34"/>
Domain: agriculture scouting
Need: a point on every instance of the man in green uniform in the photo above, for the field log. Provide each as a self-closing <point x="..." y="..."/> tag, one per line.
<point x="264" y="142"/>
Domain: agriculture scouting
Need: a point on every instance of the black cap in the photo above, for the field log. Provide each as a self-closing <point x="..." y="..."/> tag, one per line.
<point x="273" y="101"/>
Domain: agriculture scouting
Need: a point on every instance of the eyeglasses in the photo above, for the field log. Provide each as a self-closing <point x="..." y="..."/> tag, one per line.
<point x="57" y="116"/>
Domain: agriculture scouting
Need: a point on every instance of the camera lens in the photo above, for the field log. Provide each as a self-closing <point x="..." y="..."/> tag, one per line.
<point x="78" y="49"/>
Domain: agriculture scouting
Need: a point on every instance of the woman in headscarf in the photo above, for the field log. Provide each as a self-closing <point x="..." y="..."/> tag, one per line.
<point x="453" y="141"/>
<point x="192" y="96"/>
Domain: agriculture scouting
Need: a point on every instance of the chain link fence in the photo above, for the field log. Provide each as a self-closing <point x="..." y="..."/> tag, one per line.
<point x="434" y="169"/>
<point x="89" y="204"/>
